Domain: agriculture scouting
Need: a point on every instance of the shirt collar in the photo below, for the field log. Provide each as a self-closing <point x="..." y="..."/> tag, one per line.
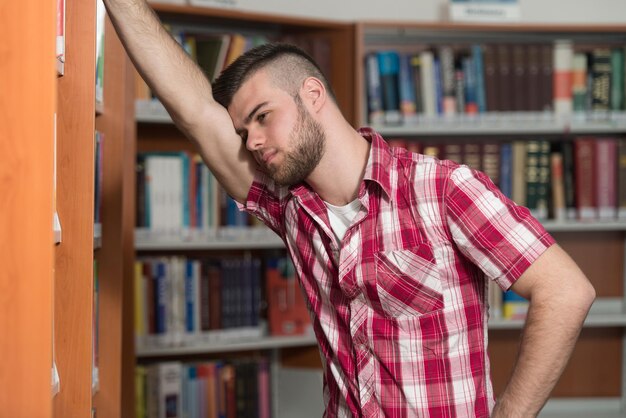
<point x="379" y="163"/>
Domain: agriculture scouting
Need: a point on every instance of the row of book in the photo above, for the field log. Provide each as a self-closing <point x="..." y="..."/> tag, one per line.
<point x="212" y="389"/>
<point x="182" y="301"/>
<point x="452" y="79"/>
<point x="581" y="178"/>
<point x="213" y="52"/>
<point x="176" y="190"/>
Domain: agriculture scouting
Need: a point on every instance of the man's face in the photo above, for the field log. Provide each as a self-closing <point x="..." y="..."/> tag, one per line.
<point x="278" y="129"/>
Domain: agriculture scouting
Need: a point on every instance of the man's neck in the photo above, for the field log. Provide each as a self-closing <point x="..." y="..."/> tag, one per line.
<point x="339" y="174"/>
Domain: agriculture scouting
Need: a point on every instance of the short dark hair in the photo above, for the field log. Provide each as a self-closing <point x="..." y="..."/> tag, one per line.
<point x="233" y="77"/>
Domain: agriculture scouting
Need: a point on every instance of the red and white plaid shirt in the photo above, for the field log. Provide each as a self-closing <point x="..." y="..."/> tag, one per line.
<point x="399" y="306"/>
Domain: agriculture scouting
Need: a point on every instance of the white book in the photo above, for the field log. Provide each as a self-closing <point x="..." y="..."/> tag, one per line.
<point x="429" y="101"/>
<point x="197" y="266"/>
<point x="169" y="389"/>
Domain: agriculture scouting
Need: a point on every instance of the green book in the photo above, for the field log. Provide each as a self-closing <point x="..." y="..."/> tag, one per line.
<point x="617" y="79"/>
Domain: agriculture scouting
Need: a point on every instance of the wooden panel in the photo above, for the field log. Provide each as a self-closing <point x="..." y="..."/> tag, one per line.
<point x="584" y="376"/>
<point x="600" y="255"/>
<point x="27" y="105"/>
<point x="306" y="357"/>
<point x="116" y="256"/>
<point x="74" y="256"/>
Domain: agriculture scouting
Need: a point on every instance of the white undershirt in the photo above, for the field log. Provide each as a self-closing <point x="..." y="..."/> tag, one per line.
<point x="341" y="217"/>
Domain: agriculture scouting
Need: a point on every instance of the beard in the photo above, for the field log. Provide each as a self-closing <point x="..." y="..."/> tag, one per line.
<point x="309" y="144"/>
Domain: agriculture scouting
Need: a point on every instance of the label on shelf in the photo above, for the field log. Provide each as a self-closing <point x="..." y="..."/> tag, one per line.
<point x="485" y="10"/>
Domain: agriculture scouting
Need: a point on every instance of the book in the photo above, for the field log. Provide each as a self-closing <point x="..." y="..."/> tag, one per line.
<point x="429" y="100"/>
<point x="100" y="15"/>
<point x="514" y="306"/>
<point x="389" y="69"/>
<point x="601" y="79"/>
<point x="407" y="90"/>
<point x="533" y="72"/>
<point x="584" y="163"/>
<point x="416" y="73"/>
<point x="569" y="183"/>
<point x="606" y="178"/>
<point x="617" y="79"/>
<point x="621" y="182"/>
<point x="287" y="311"/>
<point x="537" y="177"/>
<point x="60" y="33"/>
<point x="519" y="172"/>
<point x="504" y="76"/>
<point x="211" y="50"/>
<point x="520" y="78"/>
<point x="547" y="77"/>
<point x="169" y="376"/>
<point x="506" y="169"/>
<point x="491" y="79"/>
<point x="579" y="82"/>
<point x="562" y="76"/>
<point x="448" y="94"/>
<point x="375" y="112"/>
<point x="557" y="207"/>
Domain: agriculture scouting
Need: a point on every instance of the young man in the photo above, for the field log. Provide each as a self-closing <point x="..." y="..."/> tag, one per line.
<point x="393" y="250"/>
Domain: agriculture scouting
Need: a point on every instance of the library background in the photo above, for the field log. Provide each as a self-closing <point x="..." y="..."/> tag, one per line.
<point x="153" y="296"/>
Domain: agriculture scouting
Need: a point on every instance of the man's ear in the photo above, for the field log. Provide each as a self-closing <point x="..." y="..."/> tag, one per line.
<point x="314" y="93"/>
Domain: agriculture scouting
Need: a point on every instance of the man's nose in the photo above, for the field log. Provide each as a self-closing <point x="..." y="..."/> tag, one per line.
<point x="255" y="139"/>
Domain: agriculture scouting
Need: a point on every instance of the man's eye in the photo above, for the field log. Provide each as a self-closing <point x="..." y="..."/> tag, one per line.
<point x="261" y="117"/>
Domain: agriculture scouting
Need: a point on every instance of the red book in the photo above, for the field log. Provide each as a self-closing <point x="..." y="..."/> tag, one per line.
<point x="584" y="163"/>
<point x="287" y="312"/>
<point x="606" y="178"/>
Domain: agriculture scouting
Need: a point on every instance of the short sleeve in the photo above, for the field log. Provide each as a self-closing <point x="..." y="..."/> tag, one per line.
<point x="266" y="200"/>
<point x="502" y="238"/>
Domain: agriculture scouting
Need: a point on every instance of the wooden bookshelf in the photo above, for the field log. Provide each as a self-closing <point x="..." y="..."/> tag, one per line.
<point x="155" y="132"/>
<point x="115" y="257"/>
<point x="73" y="271"/>
<point x="28" y="84"/>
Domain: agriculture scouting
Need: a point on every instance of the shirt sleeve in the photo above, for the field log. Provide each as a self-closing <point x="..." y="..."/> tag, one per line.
<point x="502" y="238"/>
<point x="266" y="200"/>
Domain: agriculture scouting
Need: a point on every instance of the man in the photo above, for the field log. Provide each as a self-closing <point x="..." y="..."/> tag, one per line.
<point x="393" y="250"/>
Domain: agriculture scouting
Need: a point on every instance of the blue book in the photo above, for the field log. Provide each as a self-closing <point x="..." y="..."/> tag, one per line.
<point x="190" y="293"/>
<point x="477" y="58"/>
<point x="506" y="169"/>
<point x="160" y="286"/>
<point x="408" y="101"/>
<point x="389" y="68"/>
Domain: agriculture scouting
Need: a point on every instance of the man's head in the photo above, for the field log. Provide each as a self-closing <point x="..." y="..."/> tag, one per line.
<point x="288" y="64"/>
<point x="272" y="94"/>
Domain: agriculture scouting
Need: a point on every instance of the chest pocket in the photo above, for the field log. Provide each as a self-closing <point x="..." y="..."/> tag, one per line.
<point x="407" y="282"/>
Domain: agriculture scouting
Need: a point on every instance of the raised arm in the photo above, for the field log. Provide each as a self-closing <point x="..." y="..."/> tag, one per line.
<point x="560" y="296"/>
<point x="185" y="92"/>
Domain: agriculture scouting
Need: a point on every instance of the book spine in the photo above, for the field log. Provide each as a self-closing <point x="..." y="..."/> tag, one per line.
<point x="617" y="79"/>
<point x="621" y="169"/>
<point x="585" y="182"/>
<point x="374" y="90"/>
<point x="562" y="75"/>
<point x="606" y="178"/>
<point x="579" y="82"/>
<point x="601" y="79"/>
<point x="389" y="67"/>
<point x="479" y="70"/>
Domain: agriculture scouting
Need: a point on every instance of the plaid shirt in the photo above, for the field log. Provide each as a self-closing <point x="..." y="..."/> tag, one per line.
<point x="399" y="306"/>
